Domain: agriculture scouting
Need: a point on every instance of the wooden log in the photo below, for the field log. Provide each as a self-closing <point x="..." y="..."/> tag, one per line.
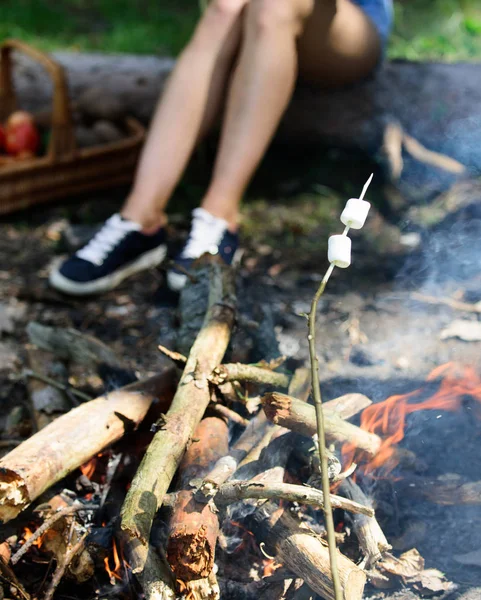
<point x="368" y="531"/>
<point x="194" y="526"/>
<point x="301" y="417"/>
<point x="233" y="491"/>
<point x="248" y="373"/>
<point x="347" y="406"/>
<point x="305" y="554"/>
<point x="72" y="439"/>
<point x="151" y="571"/>
<point x="313" y="115"/>
<point x="188" y="406"/>
<point x="227" y="465"/>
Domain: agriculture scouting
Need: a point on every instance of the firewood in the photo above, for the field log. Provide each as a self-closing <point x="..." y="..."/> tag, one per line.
<point x="72" y="439"/>
<point x="227" y="465"/>
<point x="301" y="417"/>
<point x="251" y="443"/>
<point x="188" y="406"/>
<point x="194" y="526"/>
<point x="368" y="531"/>
<point x="300" y="384"/>
<point x="248" y="373"/>
<point x="234" y="491"/>
<point x="305" y="554"/>
<point x="347" y="406"/>
<point x="149" y="568"/>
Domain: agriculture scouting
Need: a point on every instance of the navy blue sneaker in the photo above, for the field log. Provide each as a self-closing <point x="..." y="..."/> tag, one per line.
<point x="208" y="234"/>
<point x="117" y="251"/>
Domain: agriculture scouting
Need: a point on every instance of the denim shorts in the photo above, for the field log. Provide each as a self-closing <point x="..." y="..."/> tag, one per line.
<point x="381" y="14"/>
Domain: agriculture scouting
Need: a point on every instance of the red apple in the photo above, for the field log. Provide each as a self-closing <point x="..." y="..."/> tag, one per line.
<point x="2" y="138"/>
<point x="21" y="134"/>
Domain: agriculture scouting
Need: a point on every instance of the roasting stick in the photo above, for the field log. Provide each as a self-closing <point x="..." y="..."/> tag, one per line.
<point x="339" y="254"/>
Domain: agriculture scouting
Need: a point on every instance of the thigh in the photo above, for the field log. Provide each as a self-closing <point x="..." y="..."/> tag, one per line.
<point x="339" y="44"/>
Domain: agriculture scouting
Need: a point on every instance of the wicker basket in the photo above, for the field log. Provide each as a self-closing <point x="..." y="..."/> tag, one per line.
<point x="65" y="169"/>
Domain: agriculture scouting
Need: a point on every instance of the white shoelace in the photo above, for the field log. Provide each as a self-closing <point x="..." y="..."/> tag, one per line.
<point x="113" y="231"/>
<point x="205" y="234"/>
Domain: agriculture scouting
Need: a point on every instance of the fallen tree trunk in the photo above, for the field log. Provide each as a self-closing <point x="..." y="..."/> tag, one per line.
<point x="314" y="115"/>
<point x="305" y="554"/>
<point x="72" y="439"/>
<point x="188" y="406"/>
<point x="194" y="526"/>
<point x="301" y="417"/>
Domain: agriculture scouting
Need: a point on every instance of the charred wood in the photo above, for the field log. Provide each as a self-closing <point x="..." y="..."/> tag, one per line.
<point x="305" y="554"/>
<point x="49" y="455"/>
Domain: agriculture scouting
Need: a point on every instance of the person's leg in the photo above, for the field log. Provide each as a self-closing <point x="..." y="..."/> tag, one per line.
<point x="328" y="41"/>
<point x="185" y="112"/>
<point x="135" y="240"/>
<point x="260" y="91"/>
<point x="339" y="44"/>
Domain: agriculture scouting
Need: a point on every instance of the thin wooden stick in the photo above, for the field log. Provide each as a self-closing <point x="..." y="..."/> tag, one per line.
<point x="233" y="491"/>
<point x="61" y="568"/>
<point x="63" y="512"/>
<point x="248" y="373"/>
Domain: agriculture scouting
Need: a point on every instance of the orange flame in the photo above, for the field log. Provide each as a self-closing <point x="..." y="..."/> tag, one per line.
<point x="27" y="534"/>
<point x="88" y="468"/>
<point x="388" y="419"/>
<point x="115" y="572"/>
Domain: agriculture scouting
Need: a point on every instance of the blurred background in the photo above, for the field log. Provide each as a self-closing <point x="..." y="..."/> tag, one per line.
<point x="424" y="29"/>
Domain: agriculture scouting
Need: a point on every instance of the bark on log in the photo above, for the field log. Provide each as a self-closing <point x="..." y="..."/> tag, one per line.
<point x="73" y="439"/>
<point x="248" y="373"/>
<point x="368" y="531"/>
<point x="188" y="406"/>
<point x="301" y="417"/>
<point x="194" y="526"/>
<point x="305" y="554"/>
<point x="152" y="573"/>
<point x="240" y="490"/>
<point x="410" y="93"/>
<point x="227" y="465"/>
<point x="347" y="406"/>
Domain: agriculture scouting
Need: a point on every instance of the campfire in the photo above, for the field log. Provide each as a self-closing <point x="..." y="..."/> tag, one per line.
<point x="204" y="481"/>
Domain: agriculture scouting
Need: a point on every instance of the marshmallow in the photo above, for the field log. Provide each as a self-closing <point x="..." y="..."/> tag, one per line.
<point x="355" y="213"/>
<point x="339" y="251"/>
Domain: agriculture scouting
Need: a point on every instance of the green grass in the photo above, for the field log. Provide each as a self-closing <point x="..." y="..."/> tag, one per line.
<point x="424" y="29"/>
<point x="138" y="26"/>
<point x="447" y="30"/>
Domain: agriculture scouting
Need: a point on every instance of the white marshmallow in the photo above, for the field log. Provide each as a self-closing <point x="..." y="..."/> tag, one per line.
<point x="355" y="213"/>
<point x="339" y="251"/>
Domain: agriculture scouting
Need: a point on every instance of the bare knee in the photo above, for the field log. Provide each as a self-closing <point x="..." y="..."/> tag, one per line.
<point x="218" y="19"/>
<point x="266" y="15"/>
